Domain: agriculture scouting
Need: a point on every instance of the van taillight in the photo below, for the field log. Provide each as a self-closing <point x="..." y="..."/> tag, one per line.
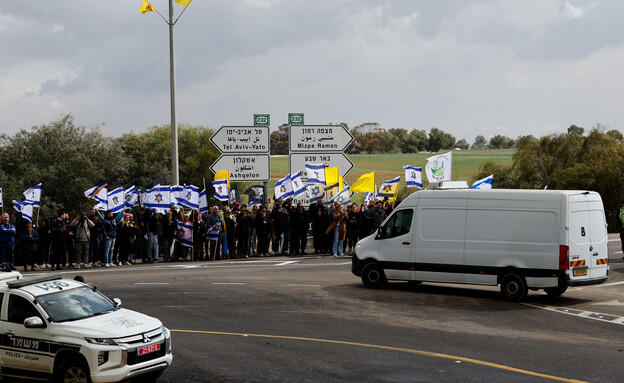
<point x="564" y="257"/>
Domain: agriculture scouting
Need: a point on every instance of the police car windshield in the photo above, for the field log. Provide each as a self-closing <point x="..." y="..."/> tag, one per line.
<point x="75" y="304"/>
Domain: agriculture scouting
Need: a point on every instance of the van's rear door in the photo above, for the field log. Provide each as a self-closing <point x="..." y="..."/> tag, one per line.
<point x="588" y="237"/>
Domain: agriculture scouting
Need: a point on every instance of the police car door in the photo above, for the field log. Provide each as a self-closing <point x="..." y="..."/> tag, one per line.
<point x="23" y="347"/>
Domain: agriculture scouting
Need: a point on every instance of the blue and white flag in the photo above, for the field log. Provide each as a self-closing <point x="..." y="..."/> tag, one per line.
<point x="33" y="195"/>
<point x="222" y="191"/>
<point x="344" y="196"/>
<point x="26" y="208"/>
<point x="185" y="233"/>
<point x="116" y="200"/>
<point x="175" y="194"/>
<point x="368" y="197"/>
<point x="283" y="188"/>
<point x="315" y="173"/>
<point x="157" y="198"/>
<point x="131" y="197"/>
<point x="413" y="176"/>
<point x="315" y="191"/>
<point x="389" y="188"/>
<point x="189" y="197"/>
<point x="1" y="203"/>
<point x="298" y="186"/>
<point x="483" y="183"/>
<point x="98" y="193"/>
<point x="213" y="231"/>
<point x="203" y="202"/>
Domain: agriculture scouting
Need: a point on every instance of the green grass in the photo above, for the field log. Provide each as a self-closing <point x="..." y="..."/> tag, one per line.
<point x="466" y="164"/>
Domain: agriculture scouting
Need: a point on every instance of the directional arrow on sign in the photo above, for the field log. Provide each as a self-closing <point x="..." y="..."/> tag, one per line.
<point x="340" y="160"/>
<point x="319" y="138"/>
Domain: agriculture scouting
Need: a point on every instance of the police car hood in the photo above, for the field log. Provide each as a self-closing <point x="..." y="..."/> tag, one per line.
<point x="116" y="324"/>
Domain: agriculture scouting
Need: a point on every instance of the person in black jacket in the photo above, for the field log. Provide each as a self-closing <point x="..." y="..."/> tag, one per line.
<point x="57" y="228"/>
<point x="263" y="232"/>
<point x="300" y="223"/>
<point x="28" y="241"/>
<point x="318" y="215"/>
<point x="244" y="224"/>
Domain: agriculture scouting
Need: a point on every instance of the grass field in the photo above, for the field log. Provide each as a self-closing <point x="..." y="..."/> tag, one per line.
<point x="387" y="166"/>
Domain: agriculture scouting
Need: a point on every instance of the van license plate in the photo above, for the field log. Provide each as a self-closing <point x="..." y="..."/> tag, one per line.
<point x="580" y="272"/>
<point x="148" y="349"/>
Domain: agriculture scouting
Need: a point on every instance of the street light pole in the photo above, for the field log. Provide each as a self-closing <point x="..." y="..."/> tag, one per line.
<point x="174" y="126"/>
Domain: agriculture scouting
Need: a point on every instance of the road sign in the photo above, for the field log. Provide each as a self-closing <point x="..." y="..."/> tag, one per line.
<point x="242" y="139"/>
<point x="319" y="138"/>
<point x="244" y="167"/>
<point x="295" y="118"/>
<point x="298" y="161"/>
<point x="262" y="119"/>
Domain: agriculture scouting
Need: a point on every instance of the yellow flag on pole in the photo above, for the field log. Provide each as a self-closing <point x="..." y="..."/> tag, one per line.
<point x="331" y="176"/>
<point x="223" y="175"/>
<point x="146" y="7"/>
<point x="183" y="3"/>
<point x="364" y="184"/>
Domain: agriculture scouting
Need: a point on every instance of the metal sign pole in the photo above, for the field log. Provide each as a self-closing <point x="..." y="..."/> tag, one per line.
<point x="174" y="126"/>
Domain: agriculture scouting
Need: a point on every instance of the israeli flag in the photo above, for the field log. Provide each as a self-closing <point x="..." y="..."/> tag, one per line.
<point x="98" y="193"/>
<point x="1" y="204"/>
<point x="185" y="233"/>
<point x="413" y="176"/>
<point x="315" y="173"/>
<point x="116" y="200"/>
<point x="33" y="194"/>
<point x="221" y="190"/>
<point x="189" y="197"/>
<point x="213" y="232"/>
<point x="283" y="188"/>
<point x="131" y="197"/>
<point x="26" y="208"/>
<point x="297" y="185"/>
<point x="315" y="191"/>
<point x="343" y="197"/>
<point x="203" y="202"/>
<point x="368" y="197"/>
<point x="158" y="198"/>
<point x="388" y="187"/>
<point x="483" y="183"/>
<point x="175" y="193"/>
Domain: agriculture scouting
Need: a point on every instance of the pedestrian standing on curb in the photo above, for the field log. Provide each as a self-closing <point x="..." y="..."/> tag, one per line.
<point x="621" y="222"/>
<point x="28" y="241"/>
<point x="7" y="243"/>
<point x="82" y="227"/>
<point x="339" y="229"/>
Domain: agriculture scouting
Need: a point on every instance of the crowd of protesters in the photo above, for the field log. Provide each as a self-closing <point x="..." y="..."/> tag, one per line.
<point x="96" y="239"/>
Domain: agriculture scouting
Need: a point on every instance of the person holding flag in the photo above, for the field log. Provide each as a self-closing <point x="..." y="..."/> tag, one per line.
<point x="7" y="243"/>
<point x="339" y="228"/>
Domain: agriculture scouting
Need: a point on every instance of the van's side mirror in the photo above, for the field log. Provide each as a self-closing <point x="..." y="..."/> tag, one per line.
<point x="117" y="302"/>
<point x="379" y="233"/>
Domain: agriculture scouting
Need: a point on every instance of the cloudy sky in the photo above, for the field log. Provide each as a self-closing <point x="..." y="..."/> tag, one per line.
<point x="467" y="67"/>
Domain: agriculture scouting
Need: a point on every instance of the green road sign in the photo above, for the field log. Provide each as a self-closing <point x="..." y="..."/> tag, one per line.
<point x="295" y="118"/>
<point x="262" y="119"/>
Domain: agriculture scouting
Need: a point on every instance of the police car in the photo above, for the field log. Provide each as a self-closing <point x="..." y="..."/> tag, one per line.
<point x="68" y="331"/>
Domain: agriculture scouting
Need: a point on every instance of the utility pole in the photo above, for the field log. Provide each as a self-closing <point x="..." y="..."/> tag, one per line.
<point x="174" y="126"/>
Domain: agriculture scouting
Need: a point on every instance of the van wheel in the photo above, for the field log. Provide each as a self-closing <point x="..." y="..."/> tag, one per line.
<point x="556" y="291"/>
<point x="373" y="276"/>
<point x="73" y="371"/>
<point x="513" y="287"/>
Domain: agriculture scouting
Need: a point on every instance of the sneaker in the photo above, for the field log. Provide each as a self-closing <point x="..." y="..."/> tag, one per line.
<point x="88" y="266"/>
<point x="107" y="265"/>
<point x="127" y="263"/>
<point x="77" y="267"/>
<point x="119" y="264"/>
<point x="113" y="265"/>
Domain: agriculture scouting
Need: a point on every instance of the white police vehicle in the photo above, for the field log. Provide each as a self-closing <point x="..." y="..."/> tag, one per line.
<point x="65" y="330"/>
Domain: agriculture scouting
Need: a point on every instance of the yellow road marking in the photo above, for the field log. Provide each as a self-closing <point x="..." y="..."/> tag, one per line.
<point x="407" y="350"/>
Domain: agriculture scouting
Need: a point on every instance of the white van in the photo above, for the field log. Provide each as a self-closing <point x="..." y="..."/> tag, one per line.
<point x="518" y="239"/>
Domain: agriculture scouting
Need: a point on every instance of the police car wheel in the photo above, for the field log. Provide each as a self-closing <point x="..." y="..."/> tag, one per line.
<point x="513" y="287"/>
<point x="373" y="276"/>
<point x="73" y="371"/>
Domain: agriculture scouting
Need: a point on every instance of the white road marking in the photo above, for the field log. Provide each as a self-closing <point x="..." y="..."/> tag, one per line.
<point x="228" y="283"/>
<point x="608" y="318"/>
<point x="614" y="302"/>
<point x="297" y="285"/>
<point x="151" y="283"/>
<point x="285" y="263"/>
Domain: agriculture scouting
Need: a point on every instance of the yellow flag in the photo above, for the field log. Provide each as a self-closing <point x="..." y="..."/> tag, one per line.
<point x="183" y="3"/>
<point x="223" y="175"/>
<point x="364" y="184"/>
<point x="146" y="7"/>
<point x="340" y="183"/>
<point x="331" y="176"/>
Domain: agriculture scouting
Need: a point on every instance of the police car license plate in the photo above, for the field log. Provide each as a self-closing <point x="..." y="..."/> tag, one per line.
<point x="149" y="349"/>
<point x="579" y="272"/>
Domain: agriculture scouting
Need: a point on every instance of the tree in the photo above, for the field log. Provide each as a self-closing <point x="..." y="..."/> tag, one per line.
<point x="279" y="140"/>
<point x="462" y="144"/>
<point x="573" y="129"/>
<point x="479" y="143"/>
<point x="500" y="142"/>
<point x="417" y="141"/>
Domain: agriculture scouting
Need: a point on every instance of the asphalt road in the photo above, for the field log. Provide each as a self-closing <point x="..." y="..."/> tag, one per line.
<point x="308" y="319"/>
